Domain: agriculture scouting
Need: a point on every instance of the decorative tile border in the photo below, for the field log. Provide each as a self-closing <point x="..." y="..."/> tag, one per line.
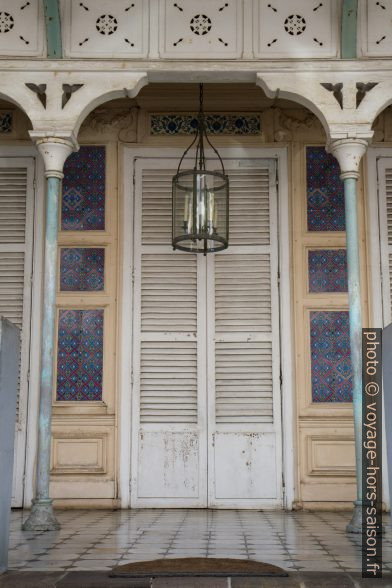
<point x="217" y="124"/>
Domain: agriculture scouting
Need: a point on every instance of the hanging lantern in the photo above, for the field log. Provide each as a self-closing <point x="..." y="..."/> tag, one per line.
<point x="200" y="203"/>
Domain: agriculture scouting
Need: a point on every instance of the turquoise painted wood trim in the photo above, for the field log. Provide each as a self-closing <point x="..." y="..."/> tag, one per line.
<point x="53" y="29"/>
<point x="349" y="29"/>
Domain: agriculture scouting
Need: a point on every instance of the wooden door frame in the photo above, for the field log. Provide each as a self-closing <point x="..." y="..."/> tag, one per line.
<point x="126" y="307"/>
<point x="376" y="300"/>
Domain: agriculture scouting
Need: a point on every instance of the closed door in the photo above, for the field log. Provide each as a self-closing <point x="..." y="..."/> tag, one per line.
<point x="206" y="390"/>
<point x="16" y="247"/>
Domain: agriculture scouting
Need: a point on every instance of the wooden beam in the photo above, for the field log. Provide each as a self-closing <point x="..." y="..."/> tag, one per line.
<point x="53" y="29"/>
<point x="349" y="29"/>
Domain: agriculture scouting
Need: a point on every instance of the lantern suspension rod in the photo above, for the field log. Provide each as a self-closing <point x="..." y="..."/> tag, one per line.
<point x="201" y="130"/>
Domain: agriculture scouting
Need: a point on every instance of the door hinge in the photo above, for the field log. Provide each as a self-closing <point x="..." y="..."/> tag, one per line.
<point x="132" y="377"/>
<point x="133" y="275"/>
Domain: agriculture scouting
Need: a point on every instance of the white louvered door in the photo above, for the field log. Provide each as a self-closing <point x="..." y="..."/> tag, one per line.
<point x="384" y="170"/>
<point x="243" y="337"/>
<point x="16" y="228"/>
<point x="169" y="450"/>
<point x="206" y="391"/>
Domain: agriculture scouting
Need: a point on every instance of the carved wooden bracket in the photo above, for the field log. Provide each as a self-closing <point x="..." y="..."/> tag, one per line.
<point x="363" y="89"/>
<point x="336" y="89"/>
<point x="68" y="90"/>
<point x="40" y="90"/>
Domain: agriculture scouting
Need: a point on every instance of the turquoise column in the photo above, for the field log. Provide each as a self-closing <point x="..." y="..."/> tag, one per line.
<point x="354" y="295"/>
<point x="349" y="153"/>
<point x="54" y="152"/>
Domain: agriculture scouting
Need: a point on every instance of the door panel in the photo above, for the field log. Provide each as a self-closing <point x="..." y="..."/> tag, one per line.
<point x="169" y="465"/>
<point x="16" y="247"/>
<point x="243" y="335"/>
<point x="245" y="468"/>
<point x="206" y="349"/>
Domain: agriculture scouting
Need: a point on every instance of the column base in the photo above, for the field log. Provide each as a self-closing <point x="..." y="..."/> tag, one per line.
<point x="355" y="525"/>
<point x="41" y="517"/>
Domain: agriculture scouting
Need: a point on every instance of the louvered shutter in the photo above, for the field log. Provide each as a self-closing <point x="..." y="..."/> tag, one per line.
<point x="16" y="224"/>
<point x="167" y="380"/>
<point x="206" y="329"/>
<point x="244" y="338"/>
<point x="385" y="209"/>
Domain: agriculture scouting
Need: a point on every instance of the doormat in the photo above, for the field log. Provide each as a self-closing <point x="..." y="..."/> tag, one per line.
<point x="196" y="566"/>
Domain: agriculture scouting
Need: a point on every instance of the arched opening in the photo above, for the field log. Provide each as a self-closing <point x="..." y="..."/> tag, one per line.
<point x="129" y="148"/>
<point x="14" y="122"/>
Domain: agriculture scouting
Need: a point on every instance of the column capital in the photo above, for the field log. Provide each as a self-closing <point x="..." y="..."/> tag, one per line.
<point x="55" y="147"/>
<point x="348" y="152"/>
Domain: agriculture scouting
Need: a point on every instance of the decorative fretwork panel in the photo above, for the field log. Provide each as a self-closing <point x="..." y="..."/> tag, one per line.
<point x="21" y="28"/>
<point x="216" y="123"/>
<point x="330" y="356"/>
<point x="303" y="28"/>
<point x="201" y="28"/>
<point x="83" y="204"/>
<point x="325" y="191"/>
<point x="375" y="26"/>
<point x="96" y="28"/>
<point x="80" y="354"/>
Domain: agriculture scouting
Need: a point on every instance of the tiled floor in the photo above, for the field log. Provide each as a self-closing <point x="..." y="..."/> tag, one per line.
<point x="99" y="540"/>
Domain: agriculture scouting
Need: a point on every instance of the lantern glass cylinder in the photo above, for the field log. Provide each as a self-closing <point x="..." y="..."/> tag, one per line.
<point x="200" y="211"/>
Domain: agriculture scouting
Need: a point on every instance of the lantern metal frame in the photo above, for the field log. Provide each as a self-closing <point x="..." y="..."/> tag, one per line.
<point x="204" y="234"/>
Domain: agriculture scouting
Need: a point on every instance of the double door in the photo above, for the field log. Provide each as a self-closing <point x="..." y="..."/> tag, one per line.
<point x="206" y="427"/>
<point x="16" y="267"/>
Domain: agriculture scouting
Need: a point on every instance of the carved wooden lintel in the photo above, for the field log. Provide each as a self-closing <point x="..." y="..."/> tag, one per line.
<point x="287" y="126"/>
<point x="121" y="124"/>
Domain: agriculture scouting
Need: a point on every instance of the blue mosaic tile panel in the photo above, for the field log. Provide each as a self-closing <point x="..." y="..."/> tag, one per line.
<point x="330" y="357"/>
<point x="83" y="203"/>
<point x="82" y="269"/>
<point x="325" y="193"/>
<point x="217" y="124"/>
<point x="327" y="270"/>
<point x="80" y="355"/>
